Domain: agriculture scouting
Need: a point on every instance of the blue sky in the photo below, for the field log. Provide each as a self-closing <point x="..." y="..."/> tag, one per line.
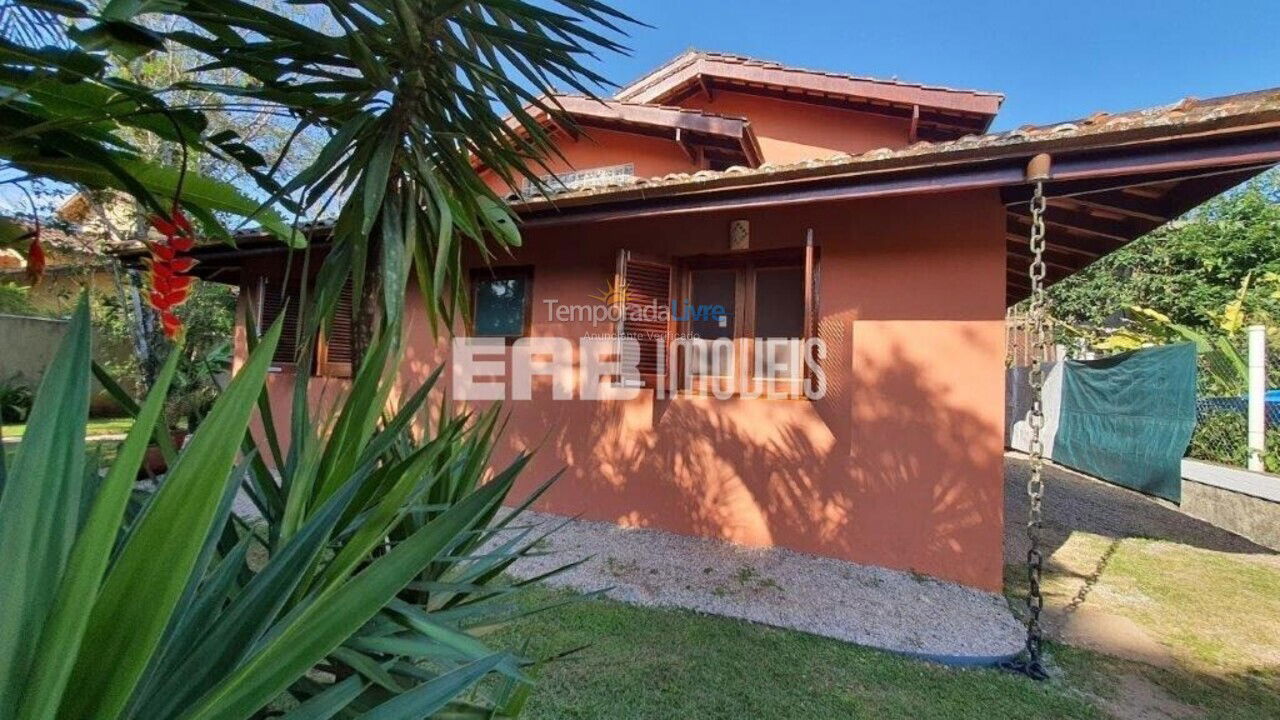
<point x="1053" y="61"/>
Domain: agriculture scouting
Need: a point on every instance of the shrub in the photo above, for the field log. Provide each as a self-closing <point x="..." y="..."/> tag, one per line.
<point x="15" y="300"/>
<point x="15" y="399"/>
<point x="363" y="589"/>
<point x="1223" y="437"/>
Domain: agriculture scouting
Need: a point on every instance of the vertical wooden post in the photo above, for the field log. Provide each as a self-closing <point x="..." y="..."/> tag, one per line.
<point x="810" y="303"/>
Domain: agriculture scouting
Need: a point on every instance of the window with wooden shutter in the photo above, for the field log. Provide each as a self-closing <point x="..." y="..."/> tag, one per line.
<point x="333" y="355"/>
<point x="278" y="297"/>
<point x="644" y="284"/>
<point x="771" y="302"/>
<point x="811" y="296"/>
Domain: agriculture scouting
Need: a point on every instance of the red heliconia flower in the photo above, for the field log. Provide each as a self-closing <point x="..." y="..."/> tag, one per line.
<point x="182" y="243"/>
<point x="163" y="225"/>
<point x="35" y="260"/>
<point x="168" y="283"/>
<point x="182" y="265"/>
<point x="172" y="324"/>
<point x="161" y="252"/>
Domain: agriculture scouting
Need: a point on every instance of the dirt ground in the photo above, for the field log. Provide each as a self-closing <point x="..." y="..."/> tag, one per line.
<point x="1075" y="502"/>
<point x="1132" y="579"/>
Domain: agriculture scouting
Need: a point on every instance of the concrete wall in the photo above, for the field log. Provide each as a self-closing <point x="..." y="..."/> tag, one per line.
<point x="1246" y="503"/>
<point x="29" y="345"/>
<point x="899" y="465"/>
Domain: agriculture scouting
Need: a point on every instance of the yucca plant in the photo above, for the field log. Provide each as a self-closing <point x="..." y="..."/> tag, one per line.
<point x="414" y="98"/>
<point x="357" y="594"/>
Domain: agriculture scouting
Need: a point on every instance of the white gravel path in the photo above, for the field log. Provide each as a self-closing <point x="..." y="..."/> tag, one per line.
<point x="870" y="606"/>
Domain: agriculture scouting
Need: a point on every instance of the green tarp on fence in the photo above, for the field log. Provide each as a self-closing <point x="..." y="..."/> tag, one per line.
<point x="1128" y="418"/>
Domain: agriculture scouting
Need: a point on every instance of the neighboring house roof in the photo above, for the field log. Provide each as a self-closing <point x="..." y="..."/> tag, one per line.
<point x="725" y="136"/>
<point x="75" y="209"/>
<point x="62" y="253"/>
<point x="941" y="112"/>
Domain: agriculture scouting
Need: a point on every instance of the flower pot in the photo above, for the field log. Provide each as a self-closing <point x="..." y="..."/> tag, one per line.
<point x="153" y="463"/>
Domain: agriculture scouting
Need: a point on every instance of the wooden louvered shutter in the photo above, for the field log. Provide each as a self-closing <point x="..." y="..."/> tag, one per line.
<point x="646" y="282"/>
<point x="277" y="298"/>
<point x="336" y="356"/>
<point x="810" y="298"/>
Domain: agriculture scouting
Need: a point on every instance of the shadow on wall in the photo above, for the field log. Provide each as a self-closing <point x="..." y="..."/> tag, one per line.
<point x="887" y="470"/>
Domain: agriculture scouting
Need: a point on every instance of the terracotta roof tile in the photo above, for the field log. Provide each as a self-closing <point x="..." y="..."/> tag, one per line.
<point x="1183" y="114"/>
<point x="1183" y="117"/>
<point x="690" y="56"/>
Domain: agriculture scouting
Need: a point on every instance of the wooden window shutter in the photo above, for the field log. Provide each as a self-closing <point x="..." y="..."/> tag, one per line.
<point x="277" y="299"/>
<point x="810" y="299"/>
<point x="335" y="351"/>
<point x="645" y="282"/>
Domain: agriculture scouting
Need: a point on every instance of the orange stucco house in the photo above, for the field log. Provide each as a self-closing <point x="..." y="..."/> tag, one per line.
<point x="880" y="218"/>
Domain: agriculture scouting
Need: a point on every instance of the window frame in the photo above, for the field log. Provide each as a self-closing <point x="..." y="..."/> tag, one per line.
<point x="320" y="365"/>
<point x="746" y="264"/>
<point x="502" y="272"/>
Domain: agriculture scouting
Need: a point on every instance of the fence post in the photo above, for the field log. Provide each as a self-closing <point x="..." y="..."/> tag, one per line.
<point x="1257" y="396"/>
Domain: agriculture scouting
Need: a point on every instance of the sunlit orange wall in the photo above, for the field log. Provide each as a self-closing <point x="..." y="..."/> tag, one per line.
<point x="789" y="131"/>
<point x="899" y="465"/>
<point x="652" y="157"/>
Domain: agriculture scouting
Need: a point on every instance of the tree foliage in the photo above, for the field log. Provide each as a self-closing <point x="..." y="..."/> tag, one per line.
<point x="377" y="574"/>
<point x="1189" y="269"/>
<point x="414" y="97"/>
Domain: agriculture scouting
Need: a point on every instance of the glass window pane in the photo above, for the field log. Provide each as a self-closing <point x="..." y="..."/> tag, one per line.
<point x="714" y="293"/>
<point x="779" y="358"/>
<point x="780" y="302"/>
<point x="710" y="357"/>
<point x="500" y="306"/>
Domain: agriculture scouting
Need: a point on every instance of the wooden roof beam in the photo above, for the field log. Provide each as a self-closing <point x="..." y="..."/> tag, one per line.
<point x="1081" y="224"/>
<point x="1052" y="275"/>
<point x="705" y="84"/>
<point x="1134" y="206"/>
<point x="1053" y="257"/>
<point x="1124" y="228"/>
<point x="1188" y="193"/>
<point x="555" y="126"/>
<point x="1020" y="239"/>
<point x="1095" y="245"/>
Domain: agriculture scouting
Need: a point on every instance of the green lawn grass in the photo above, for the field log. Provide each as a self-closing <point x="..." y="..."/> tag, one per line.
<point x="96" y="426"/>
<point x="1219" y="615"/>
<point x="657" y="663"/>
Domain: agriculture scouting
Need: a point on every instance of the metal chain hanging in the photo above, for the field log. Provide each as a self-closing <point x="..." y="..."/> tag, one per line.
<point x="1030" y="662"/>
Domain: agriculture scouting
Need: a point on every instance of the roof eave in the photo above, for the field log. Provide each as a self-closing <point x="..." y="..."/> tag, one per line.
<point x="958" y="155"/>
<point x="687" y="68"/>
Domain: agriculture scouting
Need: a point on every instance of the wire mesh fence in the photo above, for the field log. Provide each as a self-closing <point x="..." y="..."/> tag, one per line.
<point x="1222" y="408"/>
<point x="1221" y="433"/>
<point x="1222" y="405"/>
